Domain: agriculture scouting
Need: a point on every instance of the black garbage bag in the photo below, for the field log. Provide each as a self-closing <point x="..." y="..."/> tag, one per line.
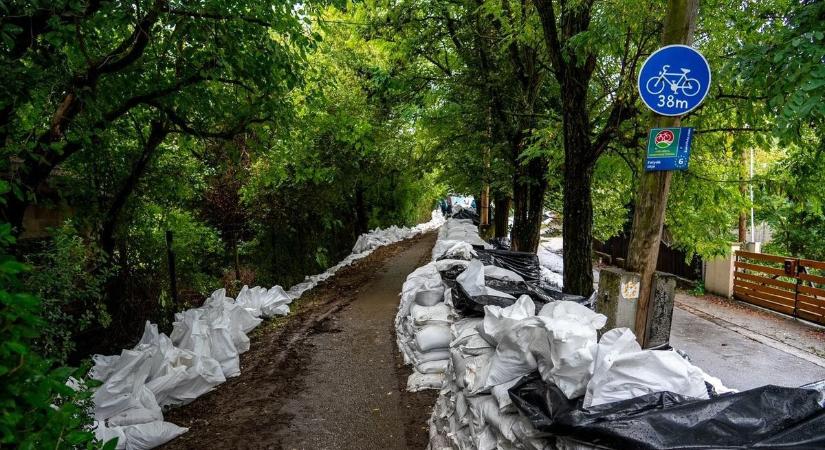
<point x="465" y="213"/>
<point x="523" y="263"/>
<point x="473" y="306"/>
<point x="500" y="243"/>
<point x="769" y="417"/>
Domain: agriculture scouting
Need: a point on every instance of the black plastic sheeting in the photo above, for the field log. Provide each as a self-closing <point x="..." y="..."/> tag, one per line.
<point x="769" y="417"/>
<point x="522" y="263"/>
<point x="473" y="306"/>
<point x="500" y="243"/>
<point x="465" y="213"/>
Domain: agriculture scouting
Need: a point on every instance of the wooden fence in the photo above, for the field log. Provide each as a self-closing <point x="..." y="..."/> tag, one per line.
<point x="791" y="286"/>
<point x="670" y="259"/>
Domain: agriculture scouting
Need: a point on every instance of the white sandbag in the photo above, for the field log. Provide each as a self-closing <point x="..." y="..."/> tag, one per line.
<point x="472" y="280"/>
<point x="464" y="327"/>
<point x="502" y="395"/>
<point x="138" y="437"/>
<point x="177" y="376"/>
<point x="624" y="371"/>
<point x="460" y="250"/>
<point x="261" y="302"/>
<point x="432" y="355"/>
<point x="476" y="345"/>
<point x="438" y="314"/>
<point x="476" y="370"/>
<point x="240" y="319"/>
<point x="105" y="434"/>
<point x="438" y="366"/>
<point x="513" y="357"/>
<point x="103" y="367"/>
<point x="124" y="395"/>
<point x="500" y="273"/>
<point x="498" y="320"/>
<point x="447" y="264"/>
<point x="467" y="339"/>
<point x="419" y="381"/>
<point x="207" y="336"/>
<point x="432" y="337"/>
<point x="429" y="297"/>
<point x="572" y="336"/>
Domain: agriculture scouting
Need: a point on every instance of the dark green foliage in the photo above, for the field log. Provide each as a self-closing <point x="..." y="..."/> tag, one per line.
<point x="37" y="409"/>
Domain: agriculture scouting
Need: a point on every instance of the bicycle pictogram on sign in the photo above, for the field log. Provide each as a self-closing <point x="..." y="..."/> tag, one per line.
<point x="674" y="80"/>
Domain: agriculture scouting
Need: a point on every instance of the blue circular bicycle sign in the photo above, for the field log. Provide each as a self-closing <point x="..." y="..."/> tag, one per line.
<point x="674" y="80"/>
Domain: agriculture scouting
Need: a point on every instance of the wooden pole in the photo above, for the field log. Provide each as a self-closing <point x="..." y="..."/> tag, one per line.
<point x="651" y="198"/>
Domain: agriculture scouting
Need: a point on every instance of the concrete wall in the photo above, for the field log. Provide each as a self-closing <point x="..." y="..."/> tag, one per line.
<point x="719" y="274"/>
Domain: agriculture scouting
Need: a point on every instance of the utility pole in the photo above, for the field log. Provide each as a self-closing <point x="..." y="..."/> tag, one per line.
<point x="651" y="198"/>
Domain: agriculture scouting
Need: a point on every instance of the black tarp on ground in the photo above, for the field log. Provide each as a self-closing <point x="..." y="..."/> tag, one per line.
<point x="465" y="213"/>
<point x="769" y="417"/>
<point x="473" y="306"/>
<point x="500" y="243"/>
<point x="522" y="263"/>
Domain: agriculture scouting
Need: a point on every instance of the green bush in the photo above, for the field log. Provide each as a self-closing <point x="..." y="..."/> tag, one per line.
<point x="68" y="276"/>
<point x="37" y="409"/>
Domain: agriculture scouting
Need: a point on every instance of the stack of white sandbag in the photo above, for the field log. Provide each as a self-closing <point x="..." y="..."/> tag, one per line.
<point x="423" y="327"/>
<point x="162" y="371"/>
<point x="201" y="353"/>
<point x="490" y="355"/>
<point x="379" y="238"/>
<point x="366" y="244"/>
<point x="456" y="239"/>
<point x="426" y="311"/>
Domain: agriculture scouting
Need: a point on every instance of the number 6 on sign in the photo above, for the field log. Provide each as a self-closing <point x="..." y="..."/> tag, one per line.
<point x="674" y="80"/>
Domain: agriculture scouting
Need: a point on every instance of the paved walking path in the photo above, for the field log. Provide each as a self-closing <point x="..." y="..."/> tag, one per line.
<point x="353" y="396"/>
<point x="747" y="347"/>
<point x="328" y="376"/>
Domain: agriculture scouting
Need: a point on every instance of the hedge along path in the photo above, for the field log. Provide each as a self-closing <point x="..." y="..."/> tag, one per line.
<point x="327" y="376"/>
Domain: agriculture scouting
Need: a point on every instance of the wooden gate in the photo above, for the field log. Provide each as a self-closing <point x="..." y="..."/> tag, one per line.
<point x="791" y="286"/>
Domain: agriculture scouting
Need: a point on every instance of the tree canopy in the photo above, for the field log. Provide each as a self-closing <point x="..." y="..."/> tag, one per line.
<point x="264" y="137"/>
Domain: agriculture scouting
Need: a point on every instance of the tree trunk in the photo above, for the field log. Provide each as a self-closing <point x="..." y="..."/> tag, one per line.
<point x="501" y="217"/>
<point x="743" y="191"/>
<point x="529" y="186"/>
<point x="157" y="134"/>
<point x="651" y="199"/>
<point x="484" y="205"/>
<point x="577" y="224"/>
<point x="361" y="220"/>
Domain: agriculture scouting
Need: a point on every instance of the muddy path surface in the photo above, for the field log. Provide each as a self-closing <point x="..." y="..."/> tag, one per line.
<point x="328" y="376"/>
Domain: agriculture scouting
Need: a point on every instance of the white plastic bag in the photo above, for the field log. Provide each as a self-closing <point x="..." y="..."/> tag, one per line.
<point x="138" y="437"/>
<point x="572" y="335"/>
<point x="432" y="337"/>
<point x="500" y="273"/>
<point x="624" y="371"/>
<point x="419" y="381"/>
<point x="498" y="320"/>
<point x="438" y="314"/>
<point x="124" y="395"/>
<point x="472" y="280"/>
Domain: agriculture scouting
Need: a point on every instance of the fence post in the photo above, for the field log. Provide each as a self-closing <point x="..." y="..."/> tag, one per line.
<point x="797" y="269"/>
<point x="170" y="253"/>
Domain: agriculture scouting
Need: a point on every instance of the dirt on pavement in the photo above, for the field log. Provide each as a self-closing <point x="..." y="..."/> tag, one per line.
<point x="327" y="376"/>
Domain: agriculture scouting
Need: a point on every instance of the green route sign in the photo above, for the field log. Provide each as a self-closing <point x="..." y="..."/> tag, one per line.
<point x="668" y="149"/>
